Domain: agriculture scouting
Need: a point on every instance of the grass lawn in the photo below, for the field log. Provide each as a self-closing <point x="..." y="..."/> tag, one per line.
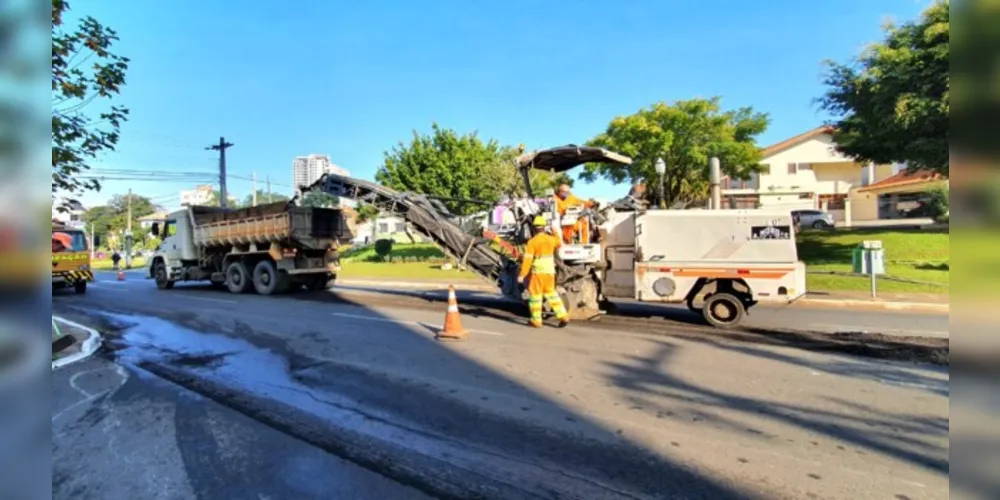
<point x="917" y="255"/>
<point x="410" y="262"/>
<point x="403" y="271"/>
<point x="106" y="265"/>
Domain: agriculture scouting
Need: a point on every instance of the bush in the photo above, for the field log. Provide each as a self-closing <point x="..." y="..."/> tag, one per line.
<point x="383" y="248"/>
<point x="938" y="203"/>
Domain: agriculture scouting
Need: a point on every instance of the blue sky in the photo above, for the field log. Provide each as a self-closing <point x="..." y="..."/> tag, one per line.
<point x="352" y="79"/>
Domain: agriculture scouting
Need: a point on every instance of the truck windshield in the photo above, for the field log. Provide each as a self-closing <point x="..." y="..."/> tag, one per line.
<point x="68" y="241"/>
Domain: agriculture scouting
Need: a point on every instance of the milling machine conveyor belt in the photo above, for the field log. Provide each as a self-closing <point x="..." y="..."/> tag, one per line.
<point x="431" y="219"/>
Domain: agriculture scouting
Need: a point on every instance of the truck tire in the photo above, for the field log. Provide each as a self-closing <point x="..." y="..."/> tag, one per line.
<point x="160" y="275"/>
<point x="723" y="310"/>
<point x="266" y="279"/>
<point x="237" y="278"/>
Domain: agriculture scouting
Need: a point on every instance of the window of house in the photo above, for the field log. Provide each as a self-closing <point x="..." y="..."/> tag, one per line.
<point x="383" y="227"/>
<point x="400" y="227"/>
<point x="793" y="168"/>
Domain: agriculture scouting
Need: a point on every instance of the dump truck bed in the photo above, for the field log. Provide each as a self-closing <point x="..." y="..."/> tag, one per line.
<point x="316" y="228"/>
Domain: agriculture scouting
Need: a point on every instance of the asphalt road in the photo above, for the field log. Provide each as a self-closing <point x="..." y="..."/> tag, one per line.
<point x="836" y="320"/>
<point x="518" y="412"/>
<point x="121" y="433"/>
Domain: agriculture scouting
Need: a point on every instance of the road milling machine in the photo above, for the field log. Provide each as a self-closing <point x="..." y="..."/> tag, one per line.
<point x="719" y="262"/>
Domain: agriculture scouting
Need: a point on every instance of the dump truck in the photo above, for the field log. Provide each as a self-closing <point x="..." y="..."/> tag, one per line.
<point x="269" y="248"/>
<point x="719" y="262"/>
<point x="70" y="258"/>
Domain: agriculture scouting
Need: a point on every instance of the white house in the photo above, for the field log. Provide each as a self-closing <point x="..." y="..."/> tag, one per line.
<point x="73" y="218"/>
<point x="806" y="171"/>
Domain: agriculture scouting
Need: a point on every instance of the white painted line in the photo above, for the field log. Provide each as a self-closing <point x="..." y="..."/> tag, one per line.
<point x="411" y="323"/>
<point x="210" y="299"/>
<point x="89" y="346"/>
<point x="121" y="372"/>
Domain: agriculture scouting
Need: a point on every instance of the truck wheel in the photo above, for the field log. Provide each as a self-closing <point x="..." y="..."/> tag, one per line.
<point x="160" y="275"/>
<point x="237" y="278"/>
<point x="723" y="310"/>
<point x="266" y="279"/>
<point x="80" y="287"/>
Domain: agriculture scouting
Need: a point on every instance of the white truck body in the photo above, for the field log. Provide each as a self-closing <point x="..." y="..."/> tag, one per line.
<point x="271" y="247"/>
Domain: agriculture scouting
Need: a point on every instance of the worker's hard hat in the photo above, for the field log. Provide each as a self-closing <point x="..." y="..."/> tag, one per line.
<point x="539" y="221"/>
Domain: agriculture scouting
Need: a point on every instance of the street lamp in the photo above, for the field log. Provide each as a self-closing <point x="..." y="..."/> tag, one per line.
<point x="661" y="170"/>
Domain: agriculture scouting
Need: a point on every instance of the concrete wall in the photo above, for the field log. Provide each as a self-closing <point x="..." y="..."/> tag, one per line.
<point x="864" y="206"/>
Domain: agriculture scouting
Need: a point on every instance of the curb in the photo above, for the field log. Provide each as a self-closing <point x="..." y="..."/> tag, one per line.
<point x="874" y="305"/>
<point x="88" y="348"/>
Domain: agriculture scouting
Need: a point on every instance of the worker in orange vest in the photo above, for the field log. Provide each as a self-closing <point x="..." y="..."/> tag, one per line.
<point x="565" y="200"/>
<point x="540" y="260"/>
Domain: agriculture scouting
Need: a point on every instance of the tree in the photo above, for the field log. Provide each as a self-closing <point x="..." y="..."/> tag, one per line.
<point x="447" y="165"/>
<point x="319" y="199"/>
<point x="263" y="197"/>
<point x="113" y="217"/>
<point x="366" y="213"/>
<point x="685" y="134"/>
<point x="892" y="103"/>
<point x="141" y="206"/>
<point x="214" y="196"/>
<point x="76" y="138"/>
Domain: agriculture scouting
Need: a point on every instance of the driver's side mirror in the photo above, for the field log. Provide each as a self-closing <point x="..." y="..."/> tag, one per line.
<point x="155" y="229"/>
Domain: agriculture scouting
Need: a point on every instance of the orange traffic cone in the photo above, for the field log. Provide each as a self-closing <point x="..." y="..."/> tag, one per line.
<point x="452" y="330"/>
<point x="121" y="275"/>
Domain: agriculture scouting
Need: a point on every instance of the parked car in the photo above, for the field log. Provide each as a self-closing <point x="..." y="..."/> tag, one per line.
<point x="816" y="219"/>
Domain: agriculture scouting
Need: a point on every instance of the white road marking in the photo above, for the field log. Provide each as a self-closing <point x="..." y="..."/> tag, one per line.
<point x="412" y="323"/>
<point x="121" y="373"/>
<point x="210" y="299"/>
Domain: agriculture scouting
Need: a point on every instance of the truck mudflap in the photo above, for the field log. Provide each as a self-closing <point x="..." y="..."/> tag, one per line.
<point x="72" y="277"/>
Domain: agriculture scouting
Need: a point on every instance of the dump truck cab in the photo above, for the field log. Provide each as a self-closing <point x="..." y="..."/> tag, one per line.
<point x="70" y="258"/>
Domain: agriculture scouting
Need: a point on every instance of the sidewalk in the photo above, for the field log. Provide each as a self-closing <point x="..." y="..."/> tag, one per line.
<point x="915" y="302"/>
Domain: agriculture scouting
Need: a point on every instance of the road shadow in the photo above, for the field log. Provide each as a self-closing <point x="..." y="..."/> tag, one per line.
<point x="647" y="378"/>
<point x="385" y="379"/>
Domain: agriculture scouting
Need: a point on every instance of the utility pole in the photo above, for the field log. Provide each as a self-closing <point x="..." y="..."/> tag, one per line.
<point x="92" y="239"/>
<point x="221" y="148"/>
<point x="254" y="177"/>
<point x="269" y="189"/>
<point x="128" y="232"/>
<point x="714" y="178"/>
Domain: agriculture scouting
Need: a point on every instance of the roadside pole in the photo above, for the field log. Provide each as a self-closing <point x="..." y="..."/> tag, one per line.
<point x="128" y="233"/>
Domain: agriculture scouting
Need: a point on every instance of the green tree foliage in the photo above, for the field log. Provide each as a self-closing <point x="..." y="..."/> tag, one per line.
<point x="448" y="165"/>
<point x="263" y="198"/>
<point x="84" y="70"/>
<point x="320" y="199"/>
<point x="892" y="103"/>
<point x="214" y="196"/>
<point x="685" y="134"/>
<point x="383" y="248"/>
<point x="112" y="219"/>
<point x="366" y="213"/>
